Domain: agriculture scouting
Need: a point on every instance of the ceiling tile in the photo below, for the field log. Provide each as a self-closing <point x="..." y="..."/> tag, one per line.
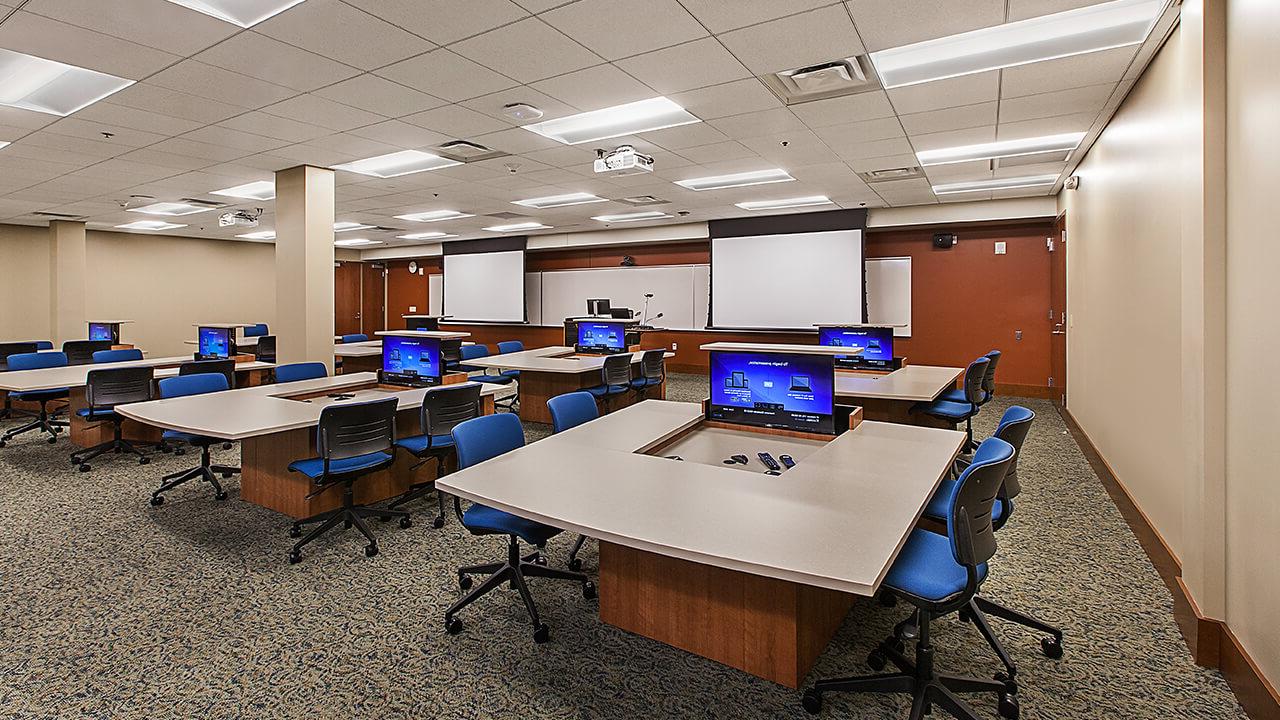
<point x="616" y="29"/>
<point x="684" y="67"/>
<point x="154" y="98"/>
<point x="447" y="75"/>
<point x="401" y="134"/>
<point x="537" y="6"/>
<point x="1064" y="102"/>
<point x="733" y="98"/>
<point x="155" y="23"/>
<point x="903" y="22"/>
<point x="76" y="126"/>
<point x="1023" y="9"/>
<point x="215" y="83"/>
<point x="835" y="111"/>
<point x="878" y="149"/>
<point x="956" y="118"/>
<point x="137" y="119"/>
<point x="765" y="122"/>
<point x="594" y="88"/>
<point x="1096" y="68"/>
<point x="493" y="105"/>
<point x="53" y="40"/>
<point x="846" y="136"/>
<point x="207" y="151"/>
<point x="684" y="136"/>
<point x="1056" y="125"/>
<point x="797" y="41"/>
<point x="516" y="141"/>
<point x="952" y="92"/>
<point x="456" y="121"/>
<point x="527" y="50"/>
<point x="227" y="137"/>
<point x="443" y="21"/>
<point x="341" y="32"/>
<point x="729" y="150"/>
<point x="954" y="138"/>
<point x="792" y="149"/>
<point x="147" y="156"/>
<point x="260" y="123"/>
<point x="379" y="95"/>
<point x="722" y="15"/>
<point x="268" y="59"/>
<point x="325" y="113"/>
<point x="26" y="119"/>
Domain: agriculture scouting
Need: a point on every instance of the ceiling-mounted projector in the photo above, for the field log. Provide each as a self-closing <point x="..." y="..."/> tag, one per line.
<point x="241" y="218"/>
<point x="623" y="161"/>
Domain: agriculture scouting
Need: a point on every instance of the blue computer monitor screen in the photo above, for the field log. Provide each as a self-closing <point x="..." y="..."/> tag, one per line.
<point x="102" y="331"/>
<point x="604" y="336"/>
<point x="782" y="390"/>
<point x="410" y="359"/>
<point x="876" y="344"/>
<point x="215" y="342"/>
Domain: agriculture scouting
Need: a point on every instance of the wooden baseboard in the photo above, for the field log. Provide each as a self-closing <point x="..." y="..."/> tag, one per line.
<point x="1211" y="642"/>
<point x="1029" y="391"/>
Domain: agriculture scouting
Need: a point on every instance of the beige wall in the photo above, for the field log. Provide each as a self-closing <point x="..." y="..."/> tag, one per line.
<point x="24" y="283"/>
<point x="1253" y="344"/>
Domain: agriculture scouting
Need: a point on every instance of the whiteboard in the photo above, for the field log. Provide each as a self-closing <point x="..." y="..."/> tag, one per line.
<point x="679" y="292"/>
<point x="532" y="295"/>
<point x="435" y="293"/>
<point x="889" y="293"/>
<point x="485" y="286"/>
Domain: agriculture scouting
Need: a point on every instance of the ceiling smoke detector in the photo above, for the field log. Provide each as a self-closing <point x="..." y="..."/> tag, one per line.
<point x="521" y="111"/>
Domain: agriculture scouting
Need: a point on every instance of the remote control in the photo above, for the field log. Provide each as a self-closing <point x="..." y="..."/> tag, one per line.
<point x="772" y="472"/>
<point x="736" y="460"/>
<point x="768" y="461"/>
<point x="786" y="460"/>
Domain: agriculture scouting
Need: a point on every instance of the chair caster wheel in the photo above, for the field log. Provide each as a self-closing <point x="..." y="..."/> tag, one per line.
<point x="84" y="467"/>
<point x="542" y="634"/>
<point x="144" y="461"/>
<point x="575" y="565"/>
<point x="295" y="557"/>
<point x="226" y="446"/>
<point x="540" y="560"/>
<point x="464" y="582"/>
<point x="220" y="496"/>
<point x="453" y="626"/>
<point x="1052" y="648"/>
<point x="179" y="451"/>
<point x="370" y="550"/>
<point x="812" y="702"/>
<point x="157" y="500"/>
<point x="876" y="660"/>
<point x="965" y="616"/>
<point x="1009" y="708"/>
<point x="1010" y="685"/>
<point x="589" y="591"/>
<point x="226" y="475"/>
<point x="52" y="440"/>
<point x="406" y="522"/>
<point x="295" y="532"/>
<point x="437" y="523"/>
<point x="898" y="645"/>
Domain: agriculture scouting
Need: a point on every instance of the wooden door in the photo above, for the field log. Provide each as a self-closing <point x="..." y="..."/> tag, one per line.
<point x="373" y="298"/>
<point x="1058" y="312"/>
<point x="346" y="298"/>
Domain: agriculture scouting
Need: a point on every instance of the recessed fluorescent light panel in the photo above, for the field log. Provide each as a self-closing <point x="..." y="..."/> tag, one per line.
<point x="356" y="242"/>
<point x="637" y="117"/>
<point x="405" y="162"/>
<point x="998" y="184"/>
<point x="1007" y="148"/>
<point x="172" y="209"/>
<point x="426" y="236"/>
<point x="632" y="217"/>
<point x="259" y="235"/>
<point x="150" y="225"/>
<point x="349" y="226"/>
<point x="4" y="143"/>
<point x="1074" y="32"/>
<point x="720" y="182"/>
<point x="555" y="201"/>
<point x="783" y="204"/>
<point x="260" y="190"/>
<point x="434" y="216"/>
<point x="516" y="227"/>
<point x="51" y="87"/>
<point x="245" y="13"/>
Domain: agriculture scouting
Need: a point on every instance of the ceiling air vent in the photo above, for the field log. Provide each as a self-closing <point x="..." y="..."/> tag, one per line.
<point x="827" y="80"/>
<point x="466" y="151"/>
<point x="507" y="216"/>
<point x="639" y="200"/>
<point x="57" y="216"/>
<point x="887" y="174"/>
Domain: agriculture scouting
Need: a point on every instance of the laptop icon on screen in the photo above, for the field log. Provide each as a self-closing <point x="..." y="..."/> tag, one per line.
<point x="800" y="383"/>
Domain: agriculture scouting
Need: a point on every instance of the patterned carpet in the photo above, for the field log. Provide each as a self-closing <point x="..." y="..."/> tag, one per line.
<point x="115" y="609"/>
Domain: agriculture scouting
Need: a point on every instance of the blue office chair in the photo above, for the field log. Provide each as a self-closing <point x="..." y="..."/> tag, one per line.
<point x="353" y="440"/>
<point x="45" y="421"/>
<point x="615" y="377"/>
<point x="569" y="411"/>
<point x="7" y="349"/>
<point x="293" y="372"/>
<point x="354" y="338"/>
<point x="653" y="371"/>
<point x="958" y="412"/>
<point x="256" y="330"/>
<point x="988" y="382"/>
<point x="105" y="389"/>
<point x="1013" y="428"/>
<point x="939" y="574"/>
<point x="474" y="352"/>
<point x="183" y="386"/>
<point x="478" y="440"/>
<point x="443" y="408"/>
<point x="44" y="345"/>
<point x="510" y="346"/>
<point x="112" y="356"/>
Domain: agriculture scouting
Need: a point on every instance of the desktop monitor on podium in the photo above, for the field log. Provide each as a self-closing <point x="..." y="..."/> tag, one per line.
<point x="789" y="391"/>
<point x="215" y="343"/>
<point x="411" y="361"/>
<point x="598" y="307"/>
<point x="876" y="344"/>
<point x="105" y="331"/>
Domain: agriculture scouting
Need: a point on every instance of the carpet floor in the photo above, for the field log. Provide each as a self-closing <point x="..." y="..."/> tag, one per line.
<point x="112" y="608"/>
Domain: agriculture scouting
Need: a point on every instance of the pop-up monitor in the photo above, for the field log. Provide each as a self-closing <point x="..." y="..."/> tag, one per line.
<point x="876" y="344"/>
<point x="105" y="331"/>
<point x="215" y="343"/>
<point x="601" y="338"/>
<point x="598" y="307"/>
<point x="422" y="323"/>
<point x="412" y="361"/>
<point x="790" y="391"/>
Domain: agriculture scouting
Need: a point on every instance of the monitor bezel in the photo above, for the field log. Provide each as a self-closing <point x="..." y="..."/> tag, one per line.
<point x="405" y="379"/>
<point x="858" y="361"/>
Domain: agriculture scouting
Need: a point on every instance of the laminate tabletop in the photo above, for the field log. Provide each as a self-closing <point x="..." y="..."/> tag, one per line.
<point x="73" y="376"/>
<point x="917" y="383"/>
<point x="554" y="359"/>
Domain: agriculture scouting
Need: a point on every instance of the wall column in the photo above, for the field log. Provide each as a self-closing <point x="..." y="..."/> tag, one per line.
<point x="304" y="265"/>
<point x="67" y="267"/>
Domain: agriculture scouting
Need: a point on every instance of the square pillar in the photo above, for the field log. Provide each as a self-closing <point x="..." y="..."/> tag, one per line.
<point x="68" y="267"/>
<point x="304" y="265"/>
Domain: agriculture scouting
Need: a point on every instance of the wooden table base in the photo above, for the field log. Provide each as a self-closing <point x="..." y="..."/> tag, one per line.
<point x="536" y="388"/>
<point x="894" y="411"/>
<point x="773" y="629"/>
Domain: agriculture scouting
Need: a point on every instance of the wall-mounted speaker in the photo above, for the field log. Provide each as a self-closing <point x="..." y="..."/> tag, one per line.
<point x="944" y="241"/>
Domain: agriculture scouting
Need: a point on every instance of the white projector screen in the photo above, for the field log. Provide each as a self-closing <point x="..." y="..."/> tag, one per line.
<point x="484" y="287"/>
<point x="787" y="281"/>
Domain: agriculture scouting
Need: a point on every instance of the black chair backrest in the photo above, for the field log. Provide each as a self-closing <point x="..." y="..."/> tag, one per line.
<point x="226" y="368"/>
<point x="969" y="525"/>
<point x="14" y="348"/>
<point x="119" y="386"/>
<point x="265" y="350"/>
<point x="617" y="369"/>
<point x="450" y="352"/>
<point x="446" y="406"/>
<point x="80" y="352"/>
<point x="973" y="376"/>
<point x="653" y="364"/>
<point x="350" y="430"/>
<point x="1013" y="429"/>
<point x="989" y="377"/>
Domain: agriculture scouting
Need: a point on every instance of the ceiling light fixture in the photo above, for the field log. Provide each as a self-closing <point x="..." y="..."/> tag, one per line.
<point x="632" y="217"/>
<point x="51" y="87"/>
<point x="516" y="227"/>
<point x="356" y="242"/>
<point x="259" y="235"/>
<point x="997" y="184"/>
<point x="555" y="201"/>
<point x="434" y="216"/>
<point x="1064" y="143"/>
<point x="1088" y="29"/>
<point x="426" y="236"/>
<point x="405" y="162"/>
<point x="260" y="190"/>
<point x="4" y="143"/>
<point x="720" y="182"/>
<point x="150" y="225"/>
<point x="787" y="203"/>
<point x="245" y="13"/>
<point x="637" y="117"/>
<point x="172" y="208"/>
<point x="349" y="226"/>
